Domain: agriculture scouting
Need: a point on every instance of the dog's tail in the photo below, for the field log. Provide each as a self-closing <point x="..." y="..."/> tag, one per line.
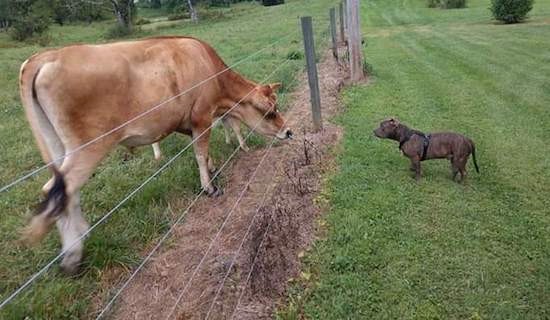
<point x="474" y="155"/>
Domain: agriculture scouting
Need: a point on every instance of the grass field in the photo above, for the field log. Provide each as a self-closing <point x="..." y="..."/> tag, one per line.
<point x="122" y="240"/>
<point x="396" y="249"/>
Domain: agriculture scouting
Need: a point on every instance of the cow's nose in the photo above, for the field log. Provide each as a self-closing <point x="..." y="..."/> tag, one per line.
<point x="289" y="134"/>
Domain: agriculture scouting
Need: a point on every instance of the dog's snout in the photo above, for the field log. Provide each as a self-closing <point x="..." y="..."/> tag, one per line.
<point x="289" y="134"/>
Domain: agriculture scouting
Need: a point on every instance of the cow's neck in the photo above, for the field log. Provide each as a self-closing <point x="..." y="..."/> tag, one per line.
<point x="235" y="89"/>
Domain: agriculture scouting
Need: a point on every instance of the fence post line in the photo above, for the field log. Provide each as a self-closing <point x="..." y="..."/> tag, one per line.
<point x="354" y="42"/>
<point x="333" y="32"/>
<point x="312" y="76"/>
<point x="341" y="13"/>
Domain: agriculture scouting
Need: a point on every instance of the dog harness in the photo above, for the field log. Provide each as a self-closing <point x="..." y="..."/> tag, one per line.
<point x="426" y="142"/>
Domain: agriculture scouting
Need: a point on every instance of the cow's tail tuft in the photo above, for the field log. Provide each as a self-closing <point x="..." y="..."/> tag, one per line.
<point x="48" y="211"/>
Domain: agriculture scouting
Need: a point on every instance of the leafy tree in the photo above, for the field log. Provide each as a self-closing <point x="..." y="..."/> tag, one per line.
<point x="60" y="11"/>
<point x="30" y="18"/>
<point x="5" y="18"/>
<point x="183" y="5"/>
<point x="156" y="4"/>
<point x="125" y="11"/>
<point x="85" y="10"/>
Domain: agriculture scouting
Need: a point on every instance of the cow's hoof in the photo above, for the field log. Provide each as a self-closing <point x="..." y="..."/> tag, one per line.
<point x="245" y="148"/>
<point x="216" y="192"/>
<point x="70" y="265"/>
<point x="70" y="270"/>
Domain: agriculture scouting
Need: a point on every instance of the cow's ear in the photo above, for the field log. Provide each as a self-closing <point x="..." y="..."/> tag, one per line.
<point x="265" y="90"/>
<point x="275" y="86"/>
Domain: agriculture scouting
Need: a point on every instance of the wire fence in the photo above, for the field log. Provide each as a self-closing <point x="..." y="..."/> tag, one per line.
<point x="249" y="275"/>
<point x="180" y="218"/>
<point x="126" y="198"/>
<point x="220" y="229"/>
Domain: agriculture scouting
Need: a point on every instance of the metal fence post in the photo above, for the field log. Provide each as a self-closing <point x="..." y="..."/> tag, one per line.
<point x="312" y="76"/>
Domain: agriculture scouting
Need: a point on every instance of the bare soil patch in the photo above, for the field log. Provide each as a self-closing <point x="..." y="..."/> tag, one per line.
<point x="291" y="174"/>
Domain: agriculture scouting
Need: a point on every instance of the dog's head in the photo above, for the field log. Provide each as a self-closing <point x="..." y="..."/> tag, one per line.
<point x="387" y="129"/>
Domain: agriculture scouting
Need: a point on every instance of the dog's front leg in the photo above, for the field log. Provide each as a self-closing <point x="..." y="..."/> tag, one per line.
<point x="415" y="163"/>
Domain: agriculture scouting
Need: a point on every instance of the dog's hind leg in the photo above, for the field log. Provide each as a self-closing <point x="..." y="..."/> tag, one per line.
<point x="459" y="166"/>
<point x="454" y="170"/>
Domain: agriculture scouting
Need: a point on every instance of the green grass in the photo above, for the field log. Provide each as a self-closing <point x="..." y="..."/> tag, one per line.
<point x="397" y="249"/>
<point x="122" y="240"/>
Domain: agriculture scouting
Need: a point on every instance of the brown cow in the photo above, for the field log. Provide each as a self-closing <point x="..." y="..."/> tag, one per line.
<point x="74" y="94"/>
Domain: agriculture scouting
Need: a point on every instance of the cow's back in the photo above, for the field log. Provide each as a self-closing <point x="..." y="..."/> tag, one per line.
<point x="90" y="89"/>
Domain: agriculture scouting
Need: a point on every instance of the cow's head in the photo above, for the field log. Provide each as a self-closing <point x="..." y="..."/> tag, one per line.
<point x="259" y="111"/>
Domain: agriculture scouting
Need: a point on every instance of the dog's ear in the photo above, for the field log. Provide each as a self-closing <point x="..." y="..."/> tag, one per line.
<point x="394" y="121"/>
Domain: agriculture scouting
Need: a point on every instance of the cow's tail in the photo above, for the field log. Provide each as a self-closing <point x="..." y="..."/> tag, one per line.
<point x="474" y="155"/>
<point x="47" y="211"/>
<point x="50" y="146"/>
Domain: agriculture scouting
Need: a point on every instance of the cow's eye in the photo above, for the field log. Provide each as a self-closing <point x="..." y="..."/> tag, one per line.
<point x="271" y="115"/>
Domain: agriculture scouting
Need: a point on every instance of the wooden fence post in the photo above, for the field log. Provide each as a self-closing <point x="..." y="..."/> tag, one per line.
<point x="333" y="33"/>
<point x="312" y="76"/>
<point x="341" y="12"/>
<point x="347" y="10"/>
<point x="354" y="42"/>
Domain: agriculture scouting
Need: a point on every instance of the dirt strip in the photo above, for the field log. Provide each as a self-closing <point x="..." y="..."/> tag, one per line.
<point x="291" y="173"/>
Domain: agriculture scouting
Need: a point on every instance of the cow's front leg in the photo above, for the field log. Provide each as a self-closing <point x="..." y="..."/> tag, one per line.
<point x="200" y="147"/>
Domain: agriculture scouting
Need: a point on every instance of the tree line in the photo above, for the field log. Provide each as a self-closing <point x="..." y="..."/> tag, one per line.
<point x="27" y="18"/>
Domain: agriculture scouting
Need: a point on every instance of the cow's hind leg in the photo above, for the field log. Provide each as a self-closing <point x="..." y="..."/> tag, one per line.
<point x="226" y="131"/>
<point x="156" y="151"/>
<point x="72" y="225"/>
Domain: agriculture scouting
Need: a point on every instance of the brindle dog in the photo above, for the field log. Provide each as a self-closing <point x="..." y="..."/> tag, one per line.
<point x="418" y="146"/>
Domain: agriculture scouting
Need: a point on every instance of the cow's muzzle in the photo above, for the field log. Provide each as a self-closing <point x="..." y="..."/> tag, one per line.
<point x="285" y="134"/>
<point x="289" y="134"/>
